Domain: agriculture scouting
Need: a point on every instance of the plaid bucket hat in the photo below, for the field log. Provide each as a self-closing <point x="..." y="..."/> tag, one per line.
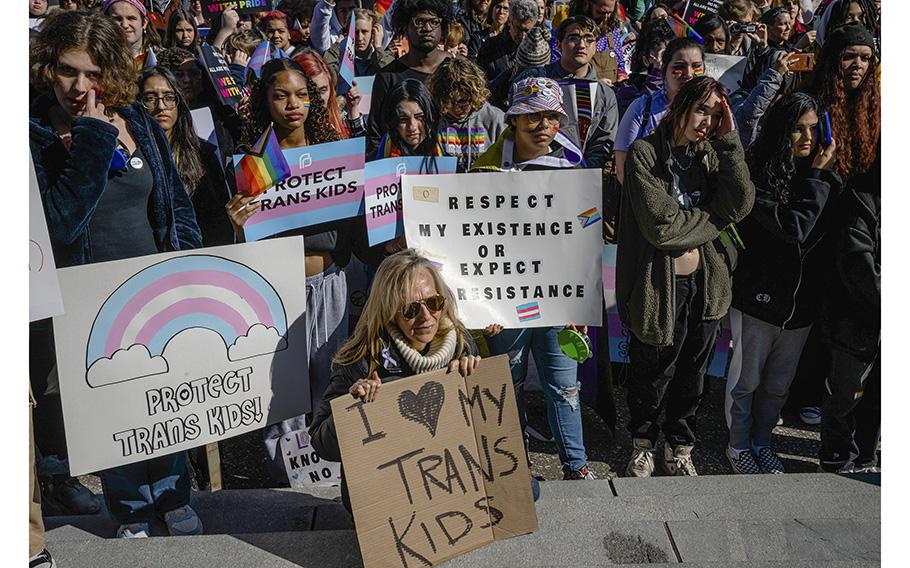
<point x="536" y="94"/>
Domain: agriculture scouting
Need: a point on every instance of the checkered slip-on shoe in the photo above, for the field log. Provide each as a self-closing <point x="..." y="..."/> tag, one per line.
<point x="742" y="462"/>
<point x="769" y="462"/>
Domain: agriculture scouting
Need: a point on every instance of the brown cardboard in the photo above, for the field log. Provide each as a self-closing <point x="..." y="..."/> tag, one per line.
<point x="422" y="436"/>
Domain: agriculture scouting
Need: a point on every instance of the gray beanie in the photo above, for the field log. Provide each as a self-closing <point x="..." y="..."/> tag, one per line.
<point x="534" y="49"/>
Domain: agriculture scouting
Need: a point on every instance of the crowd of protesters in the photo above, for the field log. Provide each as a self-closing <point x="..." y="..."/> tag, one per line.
<point x="755" y="208"/>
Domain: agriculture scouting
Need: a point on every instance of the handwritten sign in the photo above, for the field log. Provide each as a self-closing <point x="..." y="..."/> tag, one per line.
<point x="728" y="69"/>
<point x="44" y="298"/>
<point x="171" y="351"/>
<point x="695" y="9"/>
<point x="303" y="465"/>
<point x="326" y="184"/>
<point x="382" y="195"/>
<point x="520" y="249"/>
<point x="436" y="466"/>
<point x="213" y="7"/>
<point x="219" y="74"/>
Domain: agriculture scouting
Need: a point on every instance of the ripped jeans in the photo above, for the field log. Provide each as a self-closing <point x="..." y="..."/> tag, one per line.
<point x="559" y="379"/>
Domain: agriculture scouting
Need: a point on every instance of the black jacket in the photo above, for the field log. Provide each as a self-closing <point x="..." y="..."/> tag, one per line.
<point x="780" y="276"/>
<point x="852" y="314"/>
<point x="497" y="54"/>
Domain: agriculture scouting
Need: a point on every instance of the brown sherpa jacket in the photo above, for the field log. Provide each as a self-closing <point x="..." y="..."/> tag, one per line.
<point x="653" y="226"/>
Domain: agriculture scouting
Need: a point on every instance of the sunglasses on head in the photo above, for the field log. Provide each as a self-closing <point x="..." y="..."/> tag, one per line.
<point x="433" y="303"/>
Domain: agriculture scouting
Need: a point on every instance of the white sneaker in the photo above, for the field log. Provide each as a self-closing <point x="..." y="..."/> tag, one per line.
<point x="811" y="415"/>
<point x="642" y="462"/>
<point x="133" y="530"/>
<point x="678" y="460"/>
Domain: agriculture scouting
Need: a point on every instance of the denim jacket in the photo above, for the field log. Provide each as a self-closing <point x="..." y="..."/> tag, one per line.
<point x="71" y="182"/>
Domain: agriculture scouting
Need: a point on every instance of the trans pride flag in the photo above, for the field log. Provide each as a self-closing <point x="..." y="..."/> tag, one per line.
<point x="346" y="69"/>
<point x="263" y="167"/>
<point x="263" y="53"/>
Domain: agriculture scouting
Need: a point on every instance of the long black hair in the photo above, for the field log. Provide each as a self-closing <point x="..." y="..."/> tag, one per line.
<point x="170" y="36"/>
<point x="652" y="34"/>
<point x="839" y="16"/>
<point x="416" y="91"/>
<point x="770" y="158"/>
<point x="183" y="138"/>
<point x="317" y="127"/>
<point x="710" y="22"/>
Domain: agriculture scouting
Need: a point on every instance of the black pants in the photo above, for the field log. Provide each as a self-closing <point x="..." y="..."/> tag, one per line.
<point x="851" y="412"/>
<point x="675" y="373"/>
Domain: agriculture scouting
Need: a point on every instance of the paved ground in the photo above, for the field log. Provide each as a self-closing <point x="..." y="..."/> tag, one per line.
<point x="244" y="458"/>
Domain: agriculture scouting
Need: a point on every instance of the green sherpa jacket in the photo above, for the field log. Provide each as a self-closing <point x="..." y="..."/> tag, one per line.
<point x="653" y="227"/>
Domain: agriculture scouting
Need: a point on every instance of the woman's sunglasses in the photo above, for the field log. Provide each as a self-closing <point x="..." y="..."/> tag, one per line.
<point x="433" y="303"/>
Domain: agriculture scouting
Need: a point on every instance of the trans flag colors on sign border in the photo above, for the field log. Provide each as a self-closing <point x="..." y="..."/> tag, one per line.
<point x="325" y="184"/>
<point x="382" y="195"/>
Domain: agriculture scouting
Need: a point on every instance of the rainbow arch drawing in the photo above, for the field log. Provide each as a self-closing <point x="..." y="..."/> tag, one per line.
<point x="195" y="291"/>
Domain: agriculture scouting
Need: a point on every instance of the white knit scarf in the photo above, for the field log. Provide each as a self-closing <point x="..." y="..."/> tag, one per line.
<point x="441" y="350"/>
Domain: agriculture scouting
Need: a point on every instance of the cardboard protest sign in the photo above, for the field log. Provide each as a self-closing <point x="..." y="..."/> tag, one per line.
<point x="212" y="7"/>
<point x="382" y="198"/>
<point x="619" y="334"/>
<point x="326" y="184"/>
<point x="365" y="86"/>
<point x="695" y="9"/>
<point x="219" y="74"/>
<point x="44" y="298"/>
<point x="522" y="249"/>
<point x="303" y="465"/>
<point x="436" y="466"/>
<point x="728" y="69"/>
<point x="171" y="351"/>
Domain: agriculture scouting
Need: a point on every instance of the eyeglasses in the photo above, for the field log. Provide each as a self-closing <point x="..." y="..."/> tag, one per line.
<point x="433" y="303"/>
<point x="426" y="23"/>
<point x="535" y="118"/>
<point x="150" y="101"/>
<point x="575" y="38"/>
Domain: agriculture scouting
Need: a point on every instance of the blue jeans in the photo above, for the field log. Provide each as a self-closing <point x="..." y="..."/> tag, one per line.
<point x="134" y="493"/>
<point x="559" y="379"/>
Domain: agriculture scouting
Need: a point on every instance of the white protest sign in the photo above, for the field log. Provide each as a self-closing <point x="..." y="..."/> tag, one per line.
<point x="303" y="465"/>
<point x="728" y="69"/>
<point x="170" y="351"/>
<point x="44" y="298"/>
<point x="522" y="249"/>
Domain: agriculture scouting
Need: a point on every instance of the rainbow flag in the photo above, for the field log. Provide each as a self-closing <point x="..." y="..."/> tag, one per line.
<point x="589" y="217"/>
<point x="346" y="69"/>
<point x="682" y="29"/>
<point x="263" y="167"/>
<point x="382" y="6"/>
<point x="150" y="60"/>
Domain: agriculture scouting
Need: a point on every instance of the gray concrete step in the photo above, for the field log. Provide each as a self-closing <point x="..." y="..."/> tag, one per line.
<point x="795" y="520"/>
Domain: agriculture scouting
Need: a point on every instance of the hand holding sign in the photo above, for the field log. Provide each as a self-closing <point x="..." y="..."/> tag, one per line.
<point x="366" y="389"/>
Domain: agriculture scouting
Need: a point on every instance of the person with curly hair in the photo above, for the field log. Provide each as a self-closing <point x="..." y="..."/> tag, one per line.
<point x="847" y="85"/>
<point x="110" y="191"/>
<point x="468" y="124"/>
<point x="779" y="277"/>
<point x="286" y="98"/>
<point x="842" y="12"/>
<point x="425" y="24"/>
<point x="348" y="122"/>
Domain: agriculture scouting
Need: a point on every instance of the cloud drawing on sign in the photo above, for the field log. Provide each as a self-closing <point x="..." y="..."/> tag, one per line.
<point x="133" y="363"/>
<point x="192" y="292"/>
<point x="259" y="340"/>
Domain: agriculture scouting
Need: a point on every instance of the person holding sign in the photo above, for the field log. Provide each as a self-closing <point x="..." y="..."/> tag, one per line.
<point x="409" y="326"/>
<point x="533" y="142"/>
<point x="110" y="191"/>
<point x="780" y="279"/>
<point x="287" y="98"/>
<point x="685" y="186"/>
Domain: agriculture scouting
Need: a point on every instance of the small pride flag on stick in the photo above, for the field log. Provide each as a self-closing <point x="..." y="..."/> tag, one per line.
<point x="262" y="167"/>
<point x="682" y="29"/>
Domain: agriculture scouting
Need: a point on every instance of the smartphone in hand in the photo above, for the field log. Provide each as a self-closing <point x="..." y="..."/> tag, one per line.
<point x="824" y="129"/>
<point x="802" y="62"/>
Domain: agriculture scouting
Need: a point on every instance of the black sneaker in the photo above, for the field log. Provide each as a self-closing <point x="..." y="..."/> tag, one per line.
<point x="67" y="496"/>
<point x="42" y="560"/>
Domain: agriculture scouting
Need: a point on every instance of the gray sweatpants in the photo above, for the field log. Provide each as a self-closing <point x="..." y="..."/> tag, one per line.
<point x="755" y="396"/>
<point x="327" y="329"/>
